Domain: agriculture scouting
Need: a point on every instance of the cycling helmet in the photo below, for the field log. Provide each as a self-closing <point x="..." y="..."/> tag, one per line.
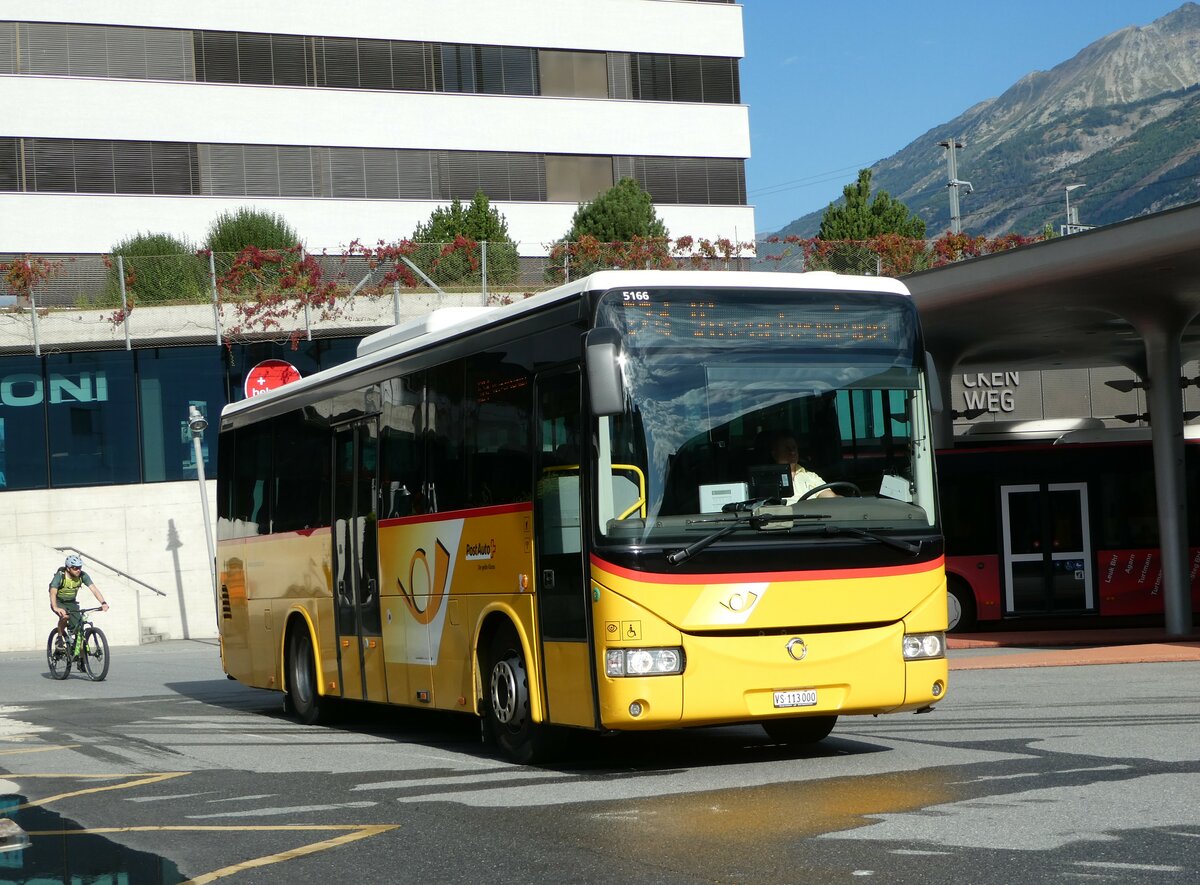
<point x="74" y="561"/>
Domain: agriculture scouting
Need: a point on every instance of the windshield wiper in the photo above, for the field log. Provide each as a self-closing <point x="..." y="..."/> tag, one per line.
<point x="741" y="521"/>
<point x="906" y="546"/>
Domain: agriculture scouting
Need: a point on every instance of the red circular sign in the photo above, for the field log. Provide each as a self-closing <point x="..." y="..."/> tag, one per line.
<point x="268" y="375"/>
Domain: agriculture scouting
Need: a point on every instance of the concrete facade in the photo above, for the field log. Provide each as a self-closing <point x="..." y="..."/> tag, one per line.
<point x="152" y="532"/>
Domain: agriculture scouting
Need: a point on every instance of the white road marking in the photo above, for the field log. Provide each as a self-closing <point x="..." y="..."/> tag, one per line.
<point x="295" y="809"/>
<point x="466" y="778"/>
<point x="165" y="798"/>
<point x="1113" y="865"/>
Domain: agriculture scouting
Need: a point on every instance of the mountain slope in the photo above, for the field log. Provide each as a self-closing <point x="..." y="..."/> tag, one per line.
<point x="1122" y="118"/>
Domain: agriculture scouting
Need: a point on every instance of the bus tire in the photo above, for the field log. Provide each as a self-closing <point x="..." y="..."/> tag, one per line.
<point x="508" y="718"/>
<point x="960" y="606"/>
<point x="800" y="730"/>
<point x="304" y="701"/>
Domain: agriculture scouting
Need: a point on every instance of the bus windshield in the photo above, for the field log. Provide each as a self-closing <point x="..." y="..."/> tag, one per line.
<point x="812" y="401"/>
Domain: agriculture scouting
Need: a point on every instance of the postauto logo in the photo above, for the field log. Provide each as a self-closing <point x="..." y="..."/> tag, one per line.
<point x="481" y="550"/>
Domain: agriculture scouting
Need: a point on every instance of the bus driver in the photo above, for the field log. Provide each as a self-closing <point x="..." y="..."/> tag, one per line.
<point x="784" y="450"/>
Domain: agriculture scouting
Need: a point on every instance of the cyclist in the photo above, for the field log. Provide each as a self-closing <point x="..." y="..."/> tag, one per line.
<point x="64" y="592"/>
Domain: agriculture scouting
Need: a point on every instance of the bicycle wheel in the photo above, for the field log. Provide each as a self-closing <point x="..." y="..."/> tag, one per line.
<point x="95" y="654"/>
<point x="57" y="656"/>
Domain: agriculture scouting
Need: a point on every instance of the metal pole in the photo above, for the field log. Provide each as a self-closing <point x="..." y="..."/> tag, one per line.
<point x="37" y="344"/>
<point x="483" y="268"/>
<point x="212" y="277"/>
<point x="124" y="300"/>
<point x="197" y="423"/>
<point x="955" y="216"/>
<point x="428" y="282"/>
<point x="396" y="301"/>
<point x="307" y="315"/>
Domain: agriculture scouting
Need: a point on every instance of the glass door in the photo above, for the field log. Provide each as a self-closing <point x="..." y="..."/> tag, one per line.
<point x="1047" y="549"/>
<point x="356" y="561"/>
<point x="558" y="538"/>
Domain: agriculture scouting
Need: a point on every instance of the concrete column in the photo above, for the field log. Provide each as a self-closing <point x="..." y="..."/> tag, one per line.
<point x="943" y="423"/>
<point x="1164" y="364"/>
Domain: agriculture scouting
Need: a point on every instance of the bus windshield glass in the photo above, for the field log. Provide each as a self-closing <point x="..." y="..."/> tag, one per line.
<point x="737" y="399"/>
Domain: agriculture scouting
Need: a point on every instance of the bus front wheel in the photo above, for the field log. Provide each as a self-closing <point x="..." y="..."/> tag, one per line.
<point x="303" y="699"/>
<point x="506" y="703"/>
<point x="801" y="730"/>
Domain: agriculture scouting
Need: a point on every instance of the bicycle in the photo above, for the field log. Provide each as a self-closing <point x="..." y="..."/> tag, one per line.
<point x="85" y="646"/>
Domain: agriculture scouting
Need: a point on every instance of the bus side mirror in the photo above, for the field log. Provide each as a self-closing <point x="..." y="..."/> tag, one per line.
<point x="606" y="387"/>
<point x="934" y="385"/>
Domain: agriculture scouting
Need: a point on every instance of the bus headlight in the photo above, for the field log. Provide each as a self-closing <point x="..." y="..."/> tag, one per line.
<point x="643" y="661"/>
<point x="923" y="646"/>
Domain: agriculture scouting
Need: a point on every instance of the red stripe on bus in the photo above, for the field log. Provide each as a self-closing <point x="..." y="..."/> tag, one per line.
<point x="765" y="577"/>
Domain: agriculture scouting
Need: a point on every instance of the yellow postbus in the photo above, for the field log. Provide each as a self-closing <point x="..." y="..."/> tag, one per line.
<point x="642" y="500"/>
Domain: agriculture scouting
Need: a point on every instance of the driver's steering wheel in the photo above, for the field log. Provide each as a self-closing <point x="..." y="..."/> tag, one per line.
<point x="855" y="491"/>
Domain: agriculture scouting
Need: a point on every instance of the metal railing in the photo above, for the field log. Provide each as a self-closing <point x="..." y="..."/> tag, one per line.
<point x="112" y="568"/>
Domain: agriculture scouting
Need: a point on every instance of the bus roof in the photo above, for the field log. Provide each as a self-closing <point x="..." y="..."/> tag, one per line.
<point x="447" y="323"/>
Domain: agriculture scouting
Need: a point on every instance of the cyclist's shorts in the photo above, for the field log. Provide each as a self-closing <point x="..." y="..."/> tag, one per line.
<point x="73" y="616"/>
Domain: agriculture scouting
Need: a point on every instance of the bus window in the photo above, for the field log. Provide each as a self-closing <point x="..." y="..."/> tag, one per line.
<point x="250" y="505"/>
<point x="498" y="425"/>
<point x="402" y="457"/>
<point x="444" y="439"/>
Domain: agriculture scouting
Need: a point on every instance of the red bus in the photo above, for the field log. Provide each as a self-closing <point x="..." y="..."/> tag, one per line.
<point x="1057" y="525"/>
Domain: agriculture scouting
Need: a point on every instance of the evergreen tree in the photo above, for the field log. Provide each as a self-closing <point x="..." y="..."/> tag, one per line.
<point x="622" y="212"/>
<point x="477" y="221"/>
<point x="861" y="218"/>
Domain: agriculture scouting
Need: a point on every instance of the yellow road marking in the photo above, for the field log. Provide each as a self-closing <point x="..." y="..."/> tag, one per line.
<point x="303" y="850"/>
<point x="356" y="832"/>
<point x="38" y="749"/>
<point x="140" y="782"/>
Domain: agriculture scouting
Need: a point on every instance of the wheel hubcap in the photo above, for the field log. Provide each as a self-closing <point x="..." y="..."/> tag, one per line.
<point x="504" y="693"/>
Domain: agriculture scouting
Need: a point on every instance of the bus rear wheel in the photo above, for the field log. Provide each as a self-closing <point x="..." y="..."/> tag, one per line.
<point x="960" y="606"/>
<point x="801" y="730"/>
<point x="508" y="717"/>
<point x="303" y="699"/>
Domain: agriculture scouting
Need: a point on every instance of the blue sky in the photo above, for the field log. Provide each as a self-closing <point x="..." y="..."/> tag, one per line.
<point x="835" y="87"/>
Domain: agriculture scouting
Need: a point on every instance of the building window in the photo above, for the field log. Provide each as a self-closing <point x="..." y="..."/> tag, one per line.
<point x="82" y="166"/>
<point x="577" y="179"/>
<point x="170" y="380"/>
<point x="574" y="74"/>
<point x="22" y="424"/>
<point x="91" y="416"/>
<point x="101" y="433"/>
<point x="80" y="50"/>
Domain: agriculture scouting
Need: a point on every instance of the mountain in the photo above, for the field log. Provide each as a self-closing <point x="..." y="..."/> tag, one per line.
<point x="1121" y="118"/>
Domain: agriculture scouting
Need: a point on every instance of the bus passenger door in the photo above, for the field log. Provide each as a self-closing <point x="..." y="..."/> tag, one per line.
<point x="1047" y="551"/>
<point x="560" y="571"/>
<point x="356" y="561"/>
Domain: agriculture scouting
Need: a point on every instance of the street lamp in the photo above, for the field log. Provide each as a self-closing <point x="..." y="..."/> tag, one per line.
<point x="197" y="424"/>
<point x="1069" y="188"/>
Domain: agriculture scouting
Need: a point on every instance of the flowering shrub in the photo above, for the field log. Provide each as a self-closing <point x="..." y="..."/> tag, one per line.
<point x="571" y="260"/>
<point x="21" y="275"/>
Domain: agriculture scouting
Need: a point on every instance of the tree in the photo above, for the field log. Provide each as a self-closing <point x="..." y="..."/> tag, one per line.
<point x="860" y="218"/>
<point x="234" y="231"/>
<point x="618" y="215"/>
<point x="159" y="268"/>
<point x="458" y="230"/>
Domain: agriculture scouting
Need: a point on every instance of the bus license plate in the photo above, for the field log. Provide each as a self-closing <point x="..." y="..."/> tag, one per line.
<point x="804" y="698"/>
